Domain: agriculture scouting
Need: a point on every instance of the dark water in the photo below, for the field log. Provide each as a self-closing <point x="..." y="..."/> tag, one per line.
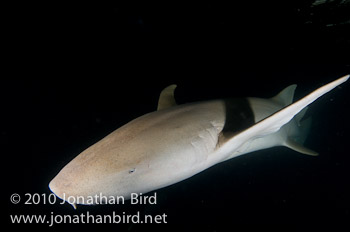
<point x="77" y="75"/>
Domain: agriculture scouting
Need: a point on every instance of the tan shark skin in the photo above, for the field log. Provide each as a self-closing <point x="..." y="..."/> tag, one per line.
<point x="166" y="146"/>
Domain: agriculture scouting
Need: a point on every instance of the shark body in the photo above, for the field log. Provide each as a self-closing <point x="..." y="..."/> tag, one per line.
<point x="178" y="141"/>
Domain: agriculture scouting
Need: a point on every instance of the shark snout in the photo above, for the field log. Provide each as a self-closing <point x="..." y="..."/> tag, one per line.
<point x="55" y="189"/>
<point x="62" y="192"/>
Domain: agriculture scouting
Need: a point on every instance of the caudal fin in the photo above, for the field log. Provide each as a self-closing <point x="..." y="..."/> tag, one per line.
<point x="274" y="122"/>
<point x="299" y="147"/>
<point x="296" y="140"/>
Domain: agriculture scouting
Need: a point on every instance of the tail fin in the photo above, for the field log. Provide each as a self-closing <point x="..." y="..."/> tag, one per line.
<point x="304" y="129"/>
<point x="274" y="122"/>
<point x="297" y="131"/>
<point x="296" y="142"/>
<point x="299" y="147"/>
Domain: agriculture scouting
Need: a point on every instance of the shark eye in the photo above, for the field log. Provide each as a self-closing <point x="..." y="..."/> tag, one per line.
<point x="132" y="170"/>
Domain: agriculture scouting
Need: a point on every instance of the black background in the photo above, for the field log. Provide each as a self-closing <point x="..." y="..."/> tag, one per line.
<point x="73" y="75"/>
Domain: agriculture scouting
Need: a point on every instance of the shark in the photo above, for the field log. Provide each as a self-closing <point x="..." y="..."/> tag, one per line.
<point x="176" y="142"/>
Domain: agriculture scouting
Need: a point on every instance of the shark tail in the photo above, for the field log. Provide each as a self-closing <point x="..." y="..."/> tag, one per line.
<point x="282" y="117"/>
<point x="295" y="138"/>
<point x="296" y="142"/>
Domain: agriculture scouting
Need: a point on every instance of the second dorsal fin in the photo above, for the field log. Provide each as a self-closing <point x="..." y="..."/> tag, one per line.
<point x="166" y="98"/>
<point x="285" y="97"/>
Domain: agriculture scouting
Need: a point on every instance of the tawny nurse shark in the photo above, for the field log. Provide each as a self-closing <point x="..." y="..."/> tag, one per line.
<point x="178" y="141"/>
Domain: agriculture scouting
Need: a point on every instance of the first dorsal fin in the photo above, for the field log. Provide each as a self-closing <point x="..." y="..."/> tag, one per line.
<point x="166" y="98"/>
<point x="285" y="97"/>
